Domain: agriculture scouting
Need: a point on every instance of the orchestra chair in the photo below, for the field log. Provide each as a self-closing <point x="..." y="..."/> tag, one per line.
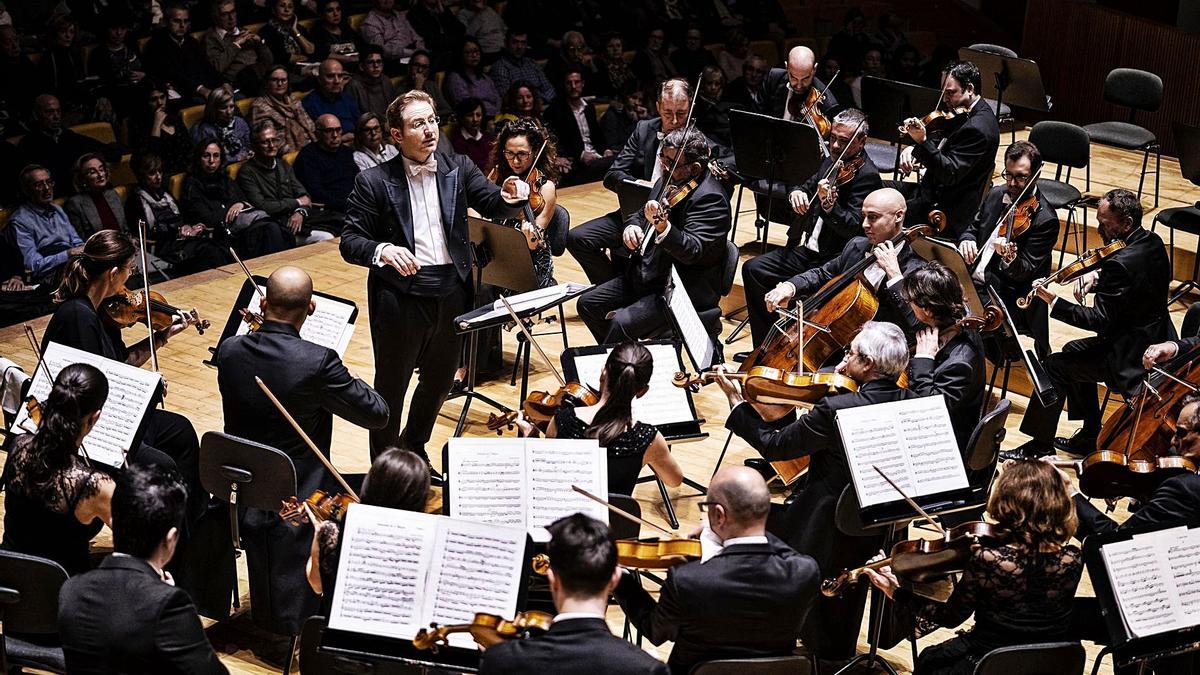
<point x="29" y="589"/>
<point x="1004" y="112"/>
<point x="767" y="665"/>
<point x="1137" y="90"/>
<point x="983" y="448"/>
<point x="1064" y="145"/>
<point x="1185" y="218"/>
<point x="1049" y="658"/>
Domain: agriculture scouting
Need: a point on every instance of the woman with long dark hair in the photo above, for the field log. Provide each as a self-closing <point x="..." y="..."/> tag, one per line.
<point x="211" y="197"/>
<point x="188" y="246"/>
<point x="631" y="444"/>
<point x="157" y="129"/>
<point x="513" y="154"/>
<point x="54" y="501"/>
<point x="467" y="80"/>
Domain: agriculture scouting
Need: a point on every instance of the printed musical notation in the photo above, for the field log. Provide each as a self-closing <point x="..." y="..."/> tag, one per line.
<point x="663" y="402"/>
<point x="330" y="324"/>
<point x="1153" y="579"/>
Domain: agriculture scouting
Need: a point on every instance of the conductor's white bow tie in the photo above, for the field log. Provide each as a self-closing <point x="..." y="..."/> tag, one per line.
<point x="429" y="166"/>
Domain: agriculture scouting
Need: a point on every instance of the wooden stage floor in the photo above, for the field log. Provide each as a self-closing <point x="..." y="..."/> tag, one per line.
<point x="193" y="389"/>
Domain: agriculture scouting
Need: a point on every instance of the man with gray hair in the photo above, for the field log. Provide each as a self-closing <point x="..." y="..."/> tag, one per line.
<point x="876" y="358"/>
<point x="715" y="608"/>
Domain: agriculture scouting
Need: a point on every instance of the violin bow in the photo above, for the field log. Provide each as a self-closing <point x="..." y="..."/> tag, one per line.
<point x="146" y="291"/>
<point x="245" y="270"/>
<point x="308" y="441"/>
<point x="37" y="353"/>
<point x="842" y="155"/>
<point x="916" y="507"/>
<point x="537" y="158"/>
<point x="621" y="512"/>
<point x="687" y="125"/>
<point x="821" y="94"/>
<point x="529" y="336"/>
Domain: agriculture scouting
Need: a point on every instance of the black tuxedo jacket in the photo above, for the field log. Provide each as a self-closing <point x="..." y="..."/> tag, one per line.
<point x="775" y="92"/>
<point x="378" y="211"/>
<point x="1130" y="310"/>
<point x="561" y="120"/>
<point x="958" y="168"/>
<point x="748" y="601"/>
<point x="121" y="618"/>
<point x="957" y="373"/>
<point x="892" y="307"/>
<point x="1187" y="344"/>
<point x="695" y="245"/>
<point x="1034" y="246"/>
<point x="636" y="160"/>
<point x="1176" y="500"/>
<point x="844" y="221"/>
<point x="571" y="647"/>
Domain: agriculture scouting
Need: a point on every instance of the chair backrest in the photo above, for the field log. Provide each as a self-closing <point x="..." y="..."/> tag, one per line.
<point x="191" y="115"/>
<point x="265" y="476"/>
<point x="984" y="445"/>
<point x="771" y="665"/>
<point x="100" y="131"/>
<point x="993" y="49"/>
<point x="1061" y="143"/>
<point x="624" y="528"/>
<point x="1050" y="658"/>
<point x="556" y="231"/>
<point x="846" y="516"/>
<point x="1187" y="141"/>
<point x="14" y="384"/>
<point x="29" y="588"/>
<point x="175" y="184"/>
<point x="730" y="271"/>
<point x="1133" y="88"/>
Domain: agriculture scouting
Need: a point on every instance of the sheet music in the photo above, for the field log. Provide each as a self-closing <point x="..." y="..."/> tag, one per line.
<point x="557" y="464"/>
<point x="480" y="570"/>
<point x="695" y="336"/>
<point x="911" y="441"/>
<point x="131" y="393"/>
<point x="523" y="302"/>
<point x="488" y="476"/>
<point x="328" y="326"/>
<point x="663" y="403"/>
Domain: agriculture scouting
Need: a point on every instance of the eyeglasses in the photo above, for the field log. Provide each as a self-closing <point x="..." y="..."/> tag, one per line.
<point x="705" y="507"/>
<point x="1008" y="175"/>
<point x="418" y="66"/>
<point x="279" y="80"/>
<point x="418" y="125"/>
<point x="268" y="141"/>
<point x="522" y="155"/>
<point x="48" y="183"/>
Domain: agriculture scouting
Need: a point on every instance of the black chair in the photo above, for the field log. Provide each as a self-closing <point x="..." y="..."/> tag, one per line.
<point x="1003" y="112"/>
<point x="624" y="528"/>
<point x="1050" y="658"/>
<point x="771" y="665"/>
<point x="1136" y="90"/>
<point x="1066" y="146"/>
<point x="312" y="660"/>
<point x="1186" y="218"/>
<point x="711" y="318"/>
<point x="29" y="589"/>
<point x="983" y="448"/>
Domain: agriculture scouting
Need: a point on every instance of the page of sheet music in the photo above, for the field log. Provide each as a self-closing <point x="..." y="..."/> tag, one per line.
<point x="911" y="441"/>
<point x="1138" y="570"/>
<point x="478" y="569"/>
<point x="698" y="342"/>
<point x="382" y="572"/>
<point x="488" y="480"/>
<point x="663" y="403"/>
<point x="557" y="464"/>
<point x="523" y="302"/>
<point x="329" y="325"/>
<point x="130" y="392"/>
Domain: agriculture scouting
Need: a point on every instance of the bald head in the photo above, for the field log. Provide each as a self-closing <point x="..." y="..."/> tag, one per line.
<point x="801" y="64"/>
<point x="289" y="295"/>
<point x="744" y="495"/>
<point x="883" y="215"/>
<point x="330" y="77"/>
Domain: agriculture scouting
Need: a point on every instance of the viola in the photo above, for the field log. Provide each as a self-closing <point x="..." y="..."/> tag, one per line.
<point x="923" y="560"/>
<point x="672" y="196"/>
<point x="487" y="629"/>
<point x="324" y="506"/>
<point x="1088" y="261"/>
<point x="536" y="201"/>
<point x="991" y="319"/>
<point x="773" y="386"/>
<point x="129" y="307"/>
<point x="642" y="554"/>
<point x="1107" y="474"/>
<point x="541" y="406"/>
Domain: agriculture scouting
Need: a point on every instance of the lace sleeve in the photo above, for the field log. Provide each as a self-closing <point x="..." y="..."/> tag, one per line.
<point x="328" y="536"/>
<point x="930" y="615"/>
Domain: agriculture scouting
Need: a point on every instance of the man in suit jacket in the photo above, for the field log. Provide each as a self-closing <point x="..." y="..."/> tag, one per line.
<point x="313" y="385"/>
<point x="581" y="143"/>
<point x="823" y="226"/>
<point x="1010" y="264"/>
<point x="876" y="358"/>
<point x="1129" y="314"/>
<point x="747" y="599"/>
<point x="958" y="167"/>
<point x="127" y="616"/>
<point x="785" y="90"/>
<point x="406" y="222"/>
<point x="883" y="218"/>
<point x="238" y="55"/>
<point x="746" y="92"/>
<point x="583" y="572"/>
<point x="690" y="237"/>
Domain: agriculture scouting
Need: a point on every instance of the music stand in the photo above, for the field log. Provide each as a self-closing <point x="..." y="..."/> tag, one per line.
<point x="782" y="152"/>
<point x="939" y="250"/>
<point x="1018" y="79"/>
<point x="632" y="196"/>
<point x="887" y="103"/>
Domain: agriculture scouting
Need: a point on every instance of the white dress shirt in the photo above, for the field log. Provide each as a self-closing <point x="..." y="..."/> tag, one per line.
<point x="429" y="234"/>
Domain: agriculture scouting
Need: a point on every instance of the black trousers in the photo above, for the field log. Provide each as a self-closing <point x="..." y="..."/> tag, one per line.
<point x="170" y="440"/>
<point x="637" y="314"/>
<point x="410" y="331"/>
<point x="589" y="244"/>
<point x="1075" y="371"/>
<point x="761" y="274"/>
<point x="1033" y="321"/>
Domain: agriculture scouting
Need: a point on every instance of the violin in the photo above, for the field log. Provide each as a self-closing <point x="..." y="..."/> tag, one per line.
<point x="252" y="319"/>
<point x="324" y="506"/>
<point x="761" y="384"/>
<point x="991" y="319"/>
<point x="938" y="120"/>
<point x="672" y="196"/>
<point x="812" y="109"/>
<point x="1021" y="219"/>
<point x="541" y="406"/>
<point x="1107" y="474"/>
<point x="641" y="554"/>
<point x="487" y="629"/>
<point x="923" y="560"/>
<point x="129" y="307"/>
<point x="1088" y="261"/>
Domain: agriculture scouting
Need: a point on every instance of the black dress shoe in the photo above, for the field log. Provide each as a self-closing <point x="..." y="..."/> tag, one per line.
<point x="741" y="356"/>
<point x="762" y="466"/>
<point x="1078" y="445"/>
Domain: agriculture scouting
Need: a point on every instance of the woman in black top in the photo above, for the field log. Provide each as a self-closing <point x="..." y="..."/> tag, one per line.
<point x="54" y="501"/>
<point x="157" y="129"/>
<point x="1020" y="592"/>
<point x="333" y="37"/>
<point x="631" y="444"/>
<point x="188" y="246"/>
<point x="211" y="197"/>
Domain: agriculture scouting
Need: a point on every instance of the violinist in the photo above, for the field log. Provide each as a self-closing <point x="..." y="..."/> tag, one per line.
<point x="958" y="162"/>
<point x="791" y="92"/>
<point x="829" y="206"/>
<point x="1128" y="315"/>
<point x="690" y="235"/>
<point x="518" y="145"/>
<point x="1007" y="261"/>
<point x="583" y="573"/>
<point x="716" y="608"/>
<point x="313" y="385"/>
<point x="630" y="444"/>
<point x="876" y="358"/>
<point x="1020" y="592"/>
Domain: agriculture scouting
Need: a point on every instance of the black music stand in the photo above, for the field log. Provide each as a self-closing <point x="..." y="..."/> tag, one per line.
<point x="887" y="103"/>
<point x="632" y="196"/>
<point x="1020" y="80"/>
<point x="782" y="152"/>
<point x="940" y="250"/>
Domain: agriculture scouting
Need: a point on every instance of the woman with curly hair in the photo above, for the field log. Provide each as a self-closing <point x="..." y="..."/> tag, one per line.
<point x="514" y="153"/>
<point x="521" y="100"/>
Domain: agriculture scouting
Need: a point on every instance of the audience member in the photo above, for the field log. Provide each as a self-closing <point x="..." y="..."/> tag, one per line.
<point x="18" y="80"/>
<point x="839" y="86"/>
<point x="188" y="247"/>
<point x="61" y="70"/>
<point x="521" y="100"/>
<point x="712" y="111"/>
<point x="157" y="129"/>
<point x="117" y="65"/>
<point x="330" y="97"/>
<point x="326" y="168"/>
<point x="582" y="153"/>
<point x="733" y="55"/>
<point x="573" y="55"/>
<point x="333" y="36"/>
<point x="387" y="28"/>
<point x="469" y="137"/>
<point x="41" y="230"/>
<point x="223" y="124"/>
<point x="746" y="92"/>
<point x="95" y="205"/>
<point x="20" y="298"/>
<point x="296" y="128"/>
<point x="467" y="80"/>
<point x="690" y="59"/>
<point x="515" y="66"/>
<point x="612" y="70"/>
<point x="890" y="36"/>
<point x="420" y="78"/>
<point x="271" y="185"/>
<point x="284" y="36"/>
<point x="371" y="89"/>
<point x="370" y="150"/>
<point x="905" y="65"/>
<point x="211" y="197"/>
<point x="127" y="616"/>
<point x="52" y="145"/>
<point x="851" y="42"/>
<point x="438" y="27"/>
<point x="652" y="63"/>
<point x="622" y="116"/>
<point x="176" y="59"/>
<point x="238" y="55"/>
<point x="485" y="25"/>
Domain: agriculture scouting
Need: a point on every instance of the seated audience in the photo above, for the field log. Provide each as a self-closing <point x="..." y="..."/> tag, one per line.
<point x="127" y="616"/>
<point x="41" y="230"/>
<point x="61" y="71"/>
<point x="326" y="168"/>
<point x="613" y="74"/>
<point x="333" y="36"/>
<point x="18" y="82"/>
<point x="211" y="197"/>
<point x="117" y="65"/>
<point x="621" y="118"/>
<point x="521" y="100"/>
<point x="514" y="66"/>
<point x="435" y="22"/>
<point x="574" y="54"/>
<point x="389" y="29"/>
<point x="284" y="36"/>
<point x="485" y="25"/>
<point x="745" y="91"/>
<point x="56" y="147"/>
<point x="733" y="55"/>
<point x="239" y="56"/>
<point x="692" y="57"/>
<point x="187" y="246"/>
<point x="276" y="104"/>
<point x="176" y="59"/>
<point x="469" y="137"/>
<point x="420" y="78"/>
<point x="223" y="124"/>
<point x="467" y="80"/>
<point x="158" y="129"/>
<point x="95" y="205"/>
<point x="369" y="146"/>
<point x="582" y="153"/>
<point x="330" y="97"/>
<point x="652" y="63"/>
<point x="371" y="89"/>
<point x="269" y="183"/>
